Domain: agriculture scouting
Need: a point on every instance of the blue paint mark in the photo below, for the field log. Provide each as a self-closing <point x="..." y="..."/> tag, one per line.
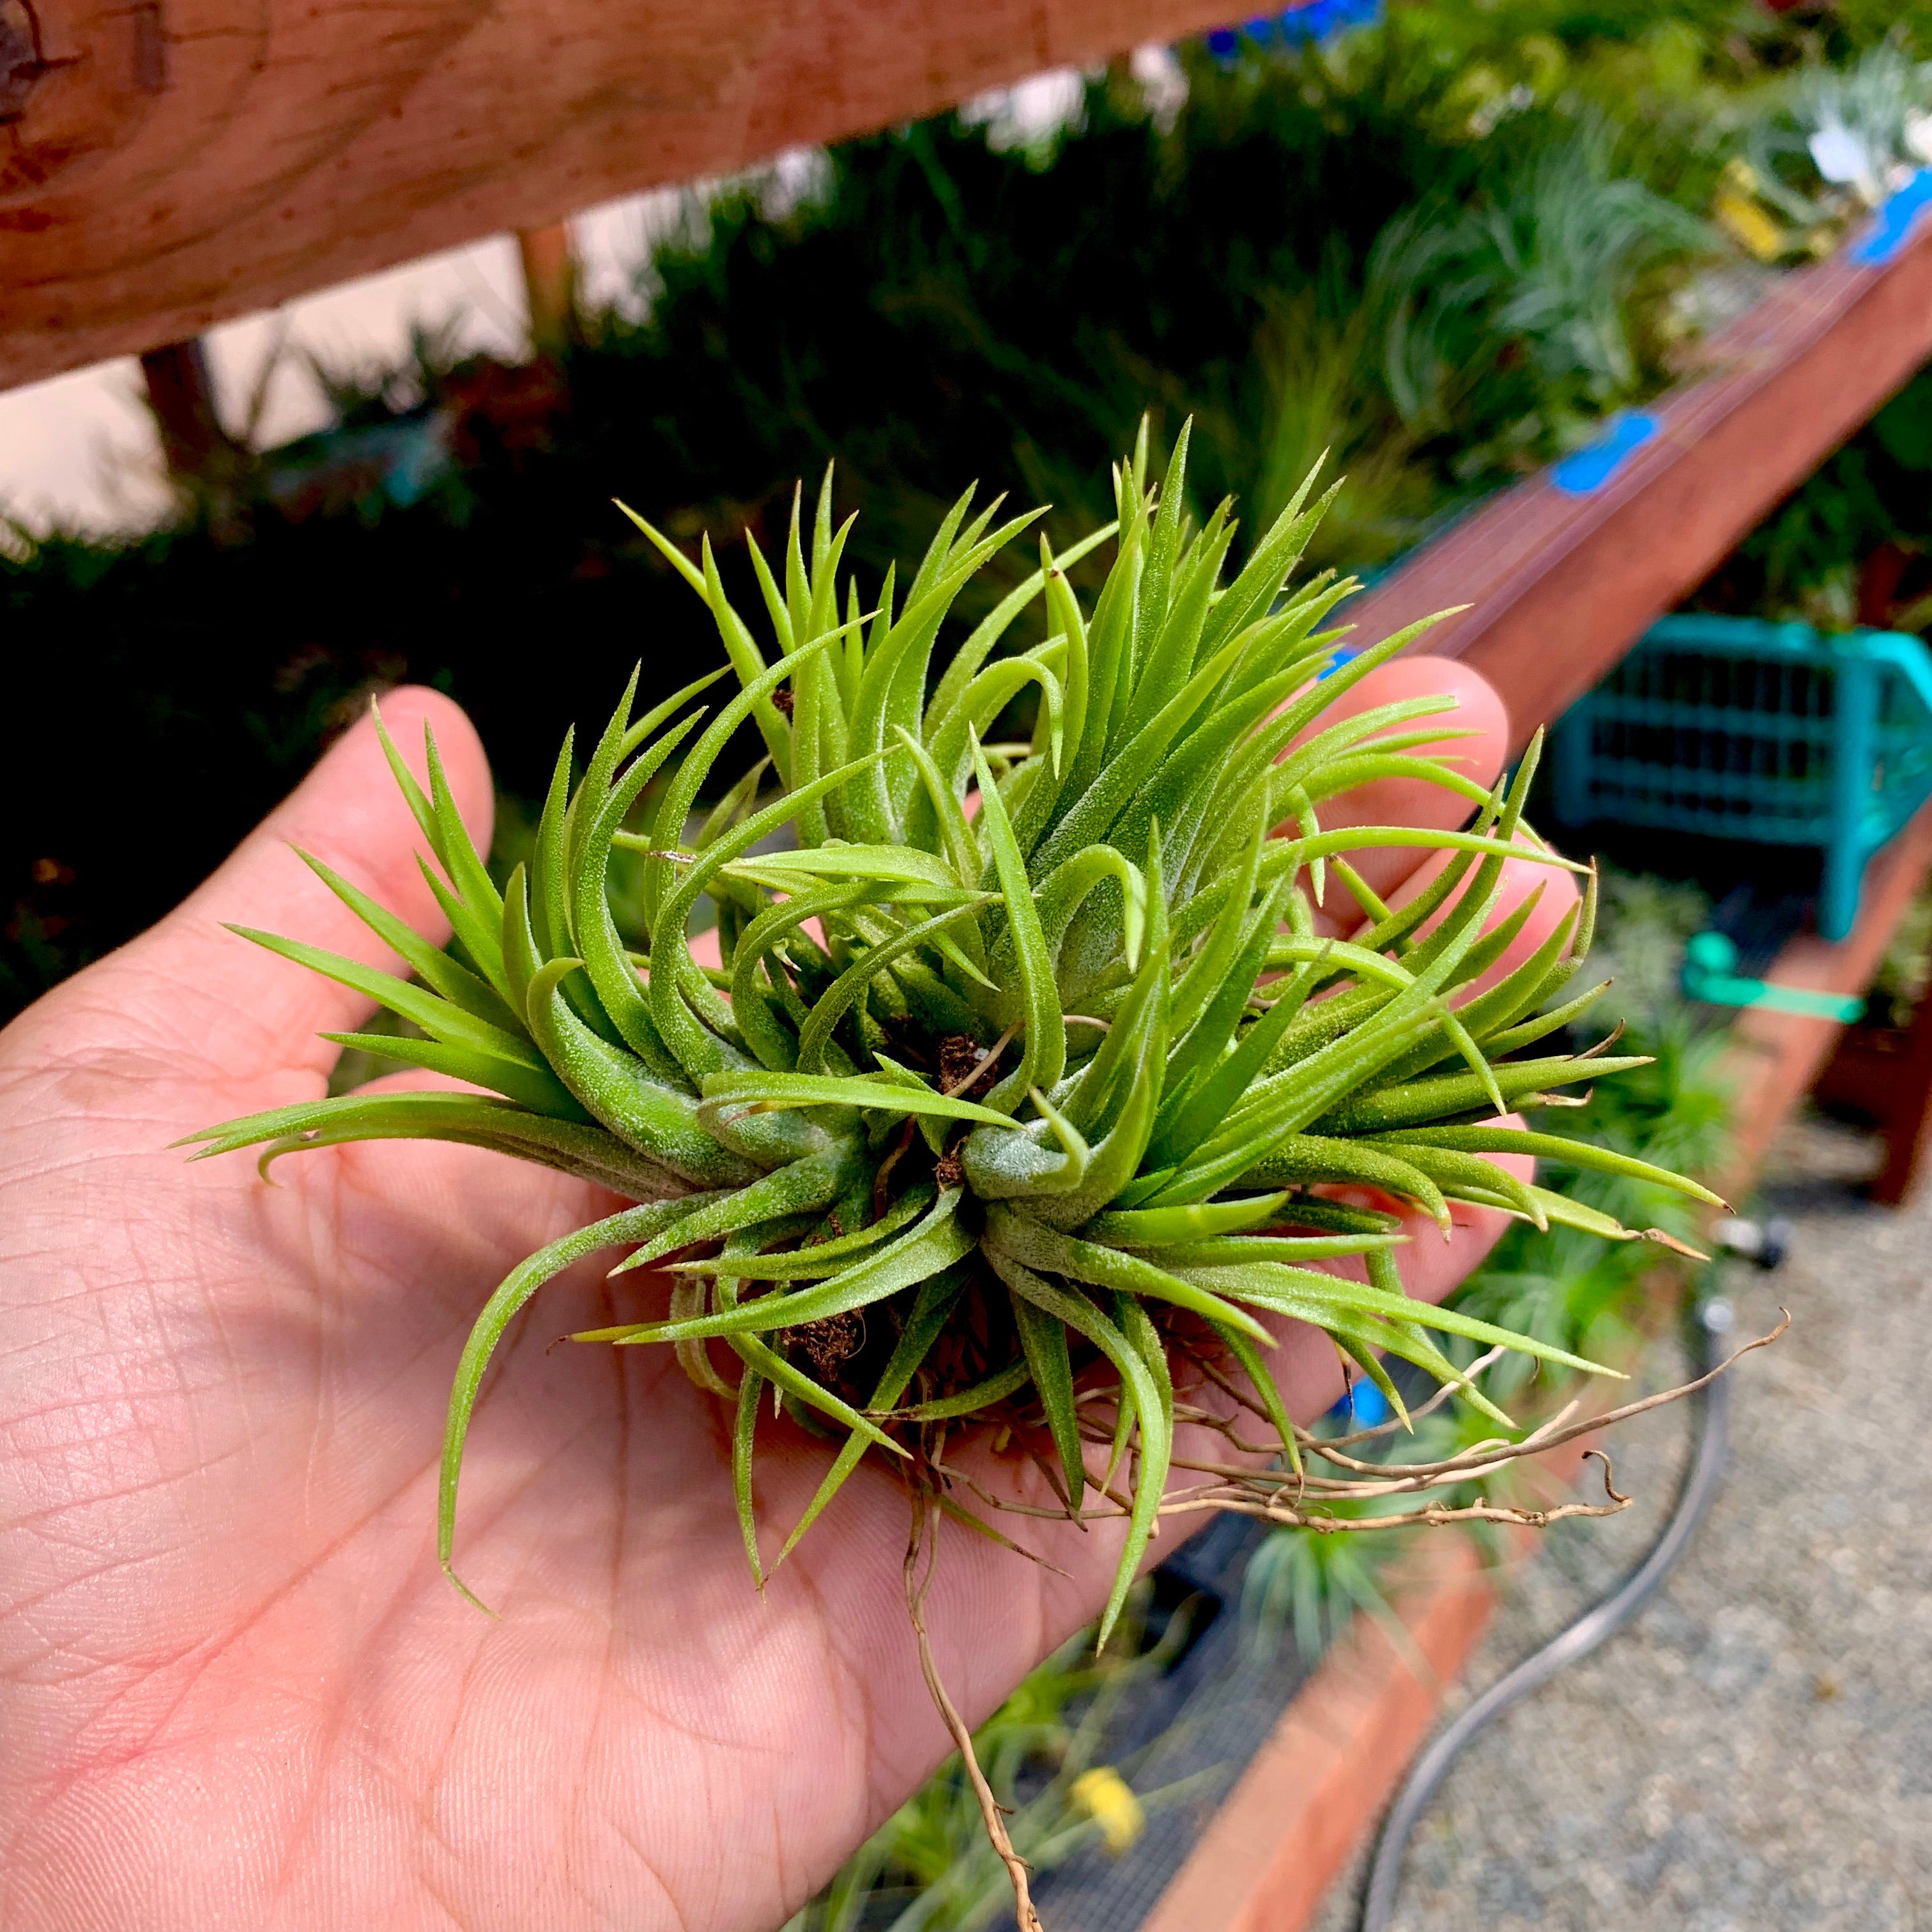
<point x="1313" y="20"/>
<point x="1319" y="19"/>
<point x="1363" y="1407"/>
<point x="1892" y="226"/>
<point x="1585" y="471"/>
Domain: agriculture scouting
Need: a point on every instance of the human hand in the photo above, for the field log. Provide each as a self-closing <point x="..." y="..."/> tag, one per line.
<point x="237" y="1689"/>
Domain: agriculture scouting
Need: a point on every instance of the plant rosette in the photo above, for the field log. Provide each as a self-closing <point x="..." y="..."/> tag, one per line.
<point x="1024" y="1066"/>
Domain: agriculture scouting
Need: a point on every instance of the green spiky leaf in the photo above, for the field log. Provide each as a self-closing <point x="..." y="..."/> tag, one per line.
<point x="1020" y="1062"/>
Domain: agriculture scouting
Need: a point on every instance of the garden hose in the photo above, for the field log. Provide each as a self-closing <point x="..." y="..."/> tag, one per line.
<point x="1712" y="1402"/>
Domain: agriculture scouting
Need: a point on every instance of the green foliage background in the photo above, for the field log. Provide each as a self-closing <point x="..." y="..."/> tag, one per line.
<point x="945" y="306"/>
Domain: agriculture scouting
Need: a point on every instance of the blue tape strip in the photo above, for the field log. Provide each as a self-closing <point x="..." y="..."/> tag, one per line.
<point x="1585" y="471"/>
<point x="1305" y="21"/>
<point x="1892" y="226"/>
<point x="1363" y="1407"/>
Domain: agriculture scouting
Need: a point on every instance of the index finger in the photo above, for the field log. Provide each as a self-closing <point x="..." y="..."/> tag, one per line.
<point x="1476" y="710"/>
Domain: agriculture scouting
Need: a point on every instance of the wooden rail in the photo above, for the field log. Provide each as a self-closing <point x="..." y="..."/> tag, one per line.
<point x="1561" y="585"/>
<point x="166" y="164"/>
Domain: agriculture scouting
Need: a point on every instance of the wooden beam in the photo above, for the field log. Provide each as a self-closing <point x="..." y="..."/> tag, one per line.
<point x="1561" y="585"/>
<point x="181" y="392"/>
<point x="166" y="164"/>
<point x="550" y="283"/>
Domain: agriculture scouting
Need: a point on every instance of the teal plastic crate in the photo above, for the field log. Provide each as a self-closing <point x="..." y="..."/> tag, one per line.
<point x="1732" y="727"/>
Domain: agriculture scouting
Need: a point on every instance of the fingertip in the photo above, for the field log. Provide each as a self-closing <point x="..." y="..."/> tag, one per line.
<point x="1478" y="708"/>
<point x="251" y="1013"/>
<point x="1556" y="898"/>
<point x="1479" y="705"/>
<point x="1554" y="889"/>
<point x="1480" y="749"/>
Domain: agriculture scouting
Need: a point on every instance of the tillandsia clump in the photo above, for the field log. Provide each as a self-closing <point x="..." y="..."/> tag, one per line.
<point x="1024" y="1066"/>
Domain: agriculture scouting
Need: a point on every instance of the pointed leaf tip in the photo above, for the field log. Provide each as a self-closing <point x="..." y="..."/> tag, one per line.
<point x="462" y="1589"/>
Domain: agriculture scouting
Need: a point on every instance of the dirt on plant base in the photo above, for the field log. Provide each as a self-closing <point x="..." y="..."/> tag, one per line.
<point x="1755" y="1752"/>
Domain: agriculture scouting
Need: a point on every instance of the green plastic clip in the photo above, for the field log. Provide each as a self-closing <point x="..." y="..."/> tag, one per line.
<point x="1710" y="975"/>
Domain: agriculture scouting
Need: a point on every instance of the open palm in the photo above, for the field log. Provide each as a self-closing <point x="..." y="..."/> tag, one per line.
<point x="237" y="1691"/>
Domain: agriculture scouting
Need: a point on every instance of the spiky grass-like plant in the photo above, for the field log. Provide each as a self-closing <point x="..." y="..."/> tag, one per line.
<point x="1022" y="1065"/>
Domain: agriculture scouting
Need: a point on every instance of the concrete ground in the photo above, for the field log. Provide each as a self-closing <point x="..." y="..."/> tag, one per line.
<point x="1755" y="1751"/>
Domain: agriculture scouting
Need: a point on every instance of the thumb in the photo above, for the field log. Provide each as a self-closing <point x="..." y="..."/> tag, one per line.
<point x="222" y="1008"/>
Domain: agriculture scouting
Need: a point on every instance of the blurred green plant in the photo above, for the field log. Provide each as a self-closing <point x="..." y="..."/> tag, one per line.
<point x="1517" y="309"/>
<point x="945" y="301"/>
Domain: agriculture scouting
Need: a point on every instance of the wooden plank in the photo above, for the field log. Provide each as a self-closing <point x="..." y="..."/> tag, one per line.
<point x="549" y="284"/>
<point x="1313" y="1791"/>
<point x="166" y="164"/>
<point x="1560" y="585"/>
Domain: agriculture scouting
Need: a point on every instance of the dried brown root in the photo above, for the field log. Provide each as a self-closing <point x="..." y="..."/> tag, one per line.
<point x="921" y="1548"/>
<point x="1295" y="1500"/>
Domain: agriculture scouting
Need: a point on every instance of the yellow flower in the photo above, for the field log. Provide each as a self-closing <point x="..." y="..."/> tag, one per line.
<point x="1748" y="224"/>
<point x="1103" y="1794"/>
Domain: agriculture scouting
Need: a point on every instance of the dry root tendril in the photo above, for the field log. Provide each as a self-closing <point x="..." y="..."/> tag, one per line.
<point x="921" y="1551"/>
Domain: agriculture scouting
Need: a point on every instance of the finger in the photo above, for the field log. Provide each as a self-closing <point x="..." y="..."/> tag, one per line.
<point x="1555" y="891"/>
<point x="224" y="1007"/>
<point x="1402" y="801"/>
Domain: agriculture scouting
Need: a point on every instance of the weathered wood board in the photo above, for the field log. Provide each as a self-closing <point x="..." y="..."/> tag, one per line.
<point x="166" y="164"/>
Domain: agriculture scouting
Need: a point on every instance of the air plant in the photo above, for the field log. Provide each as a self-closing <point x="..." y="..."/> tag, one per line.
<point x="1024" y="1066"/>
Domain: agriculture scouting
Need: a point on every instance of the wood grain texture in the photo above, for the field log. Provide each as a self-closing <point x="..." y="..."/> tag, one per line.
<point x="1561" y="586"/>
<point x="166" y="164"/>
